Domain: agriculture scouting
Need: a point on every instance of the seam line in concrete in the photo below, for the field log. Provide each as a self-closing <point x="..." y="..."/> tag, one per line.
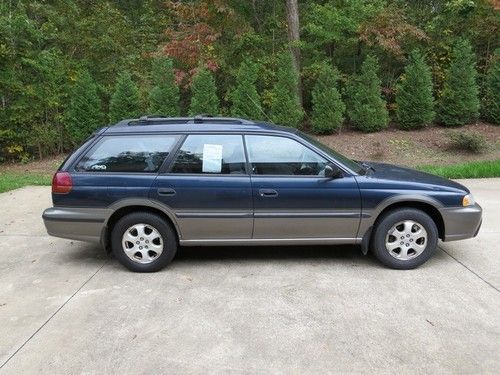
<point x="469" y="269"/>
<point x="54" y="314"/>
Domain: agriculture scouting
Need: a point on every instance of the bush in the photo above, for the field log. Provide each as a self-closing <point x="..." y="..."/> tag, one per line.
<point x="164" y="96"/>
<point x="285" y="107"/>
<point x="125" y="100"/>
<point x="204" y="99"/>
<point x="366" y="108"/>
<point x="415" y="104"/>
<point x="83" y="114"/>
<point x="459" y="102"/>
<point x="470" y="142"/>
<point x="327" y="105"/>
<point x="491" y="97"/>
<point x="245" y="98"/>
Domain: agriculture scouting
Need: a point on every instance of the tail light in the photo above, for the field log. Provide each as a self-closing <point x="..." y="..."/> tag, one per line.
<point x="62" y="183"/>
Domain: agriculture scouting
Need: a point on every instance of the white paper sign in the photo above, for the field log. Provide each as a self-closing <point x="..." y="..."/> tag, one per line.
<point x="212" y="158"/>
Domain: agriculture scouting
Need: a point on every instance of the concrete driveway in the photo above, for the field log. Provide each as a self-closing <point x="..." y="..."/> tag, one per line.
<point x="66" y="308"/>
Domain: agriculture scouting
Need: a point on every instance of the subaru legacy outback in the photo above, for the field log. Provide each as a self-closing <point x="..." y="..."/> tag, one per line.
<point x="145" y="186"/>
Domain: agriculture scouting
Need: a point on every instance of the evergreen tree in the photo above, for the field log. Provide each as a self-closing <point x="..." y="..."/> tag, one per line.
<point x="204" y="91"/>
<point x="491" y="97"/>
<point x="285" y="108"/>
<point x="83" y="114"/>
<point x="415" y="104"/>
<point x="327" y="105"/>
<point x="245" y="98"/>
<point x="459" y="102"/>
<point x="164" y="96"/>
<point x="125" y="100"/>
<point x="366" y="108"/>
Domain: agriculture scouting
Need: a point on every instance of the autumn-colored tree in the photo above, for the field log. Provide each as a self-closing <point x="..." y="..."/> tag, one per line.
<point x="164" y="96"/>
<point x="125" y="100"/>
<point x="204" y="98"/>
<point x="415" y="104"/>
<point x="83" y="114"/>
<point x="459" y="102"/>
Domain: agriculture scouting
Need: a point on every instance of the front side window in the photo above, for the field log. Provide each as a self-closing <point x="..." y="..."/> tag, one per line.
<point x="272" y="155"/>
<point x="131" y="153"/>
<point x="211" y="154"/>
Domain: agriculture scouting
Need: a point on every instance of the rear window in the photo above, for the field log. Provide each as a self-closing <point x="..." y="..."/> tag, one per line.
<point x="144" y="153"/>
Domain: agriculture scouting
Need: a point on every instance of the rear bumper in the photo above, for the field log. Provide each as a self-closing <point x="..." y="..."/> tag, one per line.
<point x="82" y="224"/>
<point x="461" y="222"/>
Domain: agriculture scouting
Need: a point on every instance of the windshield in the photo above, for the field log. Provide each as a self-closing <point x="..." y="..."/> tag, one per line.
<point x="351" y="164"/>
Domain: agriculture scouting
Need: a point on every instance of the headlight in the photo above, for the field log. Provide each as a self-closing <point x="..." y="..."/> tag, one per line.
<point x="468" y="200"/>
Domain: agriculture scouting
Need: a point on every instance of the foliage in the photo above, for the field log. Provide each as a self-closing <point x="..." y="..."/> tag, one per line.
<point x="328" y="107"/>
<point x="164" y="95"/>
<point x="459" y="103"/>
<point x="285" y="108"/>
<point x="415" y="104"/>
<point x="366" y="108"/>
<point x="477" y="169"/>
<point x="468" y="141"/>
<point x="204" y="98"/>
<point x="245" y="98"/>
<point x="125" y="100"/>
<point x="491" y="94"/>
<point x="83" y="114"/>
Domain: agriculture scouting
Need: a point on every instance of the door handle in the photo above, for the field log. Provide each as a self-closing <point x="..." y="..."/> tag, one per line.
<point x="268" y="193"/>
<point x="168" y="192"/>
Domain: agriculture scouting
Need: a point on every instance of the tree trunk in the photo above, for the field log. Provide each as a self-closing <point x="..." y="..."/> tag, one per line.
<point x="292" y="15"/>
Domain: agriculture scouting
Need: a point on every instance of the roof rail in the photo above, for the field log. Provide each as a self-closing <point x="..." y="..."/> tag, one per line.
<point x="198" y="119"/>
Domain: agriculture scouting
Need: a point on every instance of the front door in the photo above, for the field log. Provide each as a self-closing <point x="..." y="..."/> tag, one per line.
<point x="292" y="198"/>
<point x="208" y="189"/>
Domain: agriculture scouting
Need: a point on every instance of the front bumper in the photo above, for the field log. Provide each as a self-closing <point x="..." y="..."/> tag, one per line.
<point x="82" y="224"/>
<point x="461" y="222"/>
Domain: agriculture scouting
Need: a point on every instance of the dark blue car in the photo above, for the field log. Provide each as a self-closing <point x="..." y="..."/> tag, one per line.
<point x="145" y="186"/>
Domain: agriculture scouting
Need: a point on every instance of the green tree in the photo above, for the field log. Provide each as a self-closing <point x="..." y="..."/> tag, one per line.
<point x="204" y="94"/>
<point x="83" y="114"/>
<point x="415" y="104"/>
<point x="125" y="100"/>
<point x="366" y="108"/>
<point x="327" y="105"/>
<point x="459" y="102"/>
<point x="164" y="96"/>
<point x="491" y="97"/>
<point x="285" y="107"/>
<point x="245" y="98"/>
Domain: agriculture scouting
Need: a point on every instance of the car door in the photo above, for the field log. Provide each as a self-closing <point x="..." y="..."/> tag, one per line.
<point x="292" y="198"/>
<point x="208" y="189"/>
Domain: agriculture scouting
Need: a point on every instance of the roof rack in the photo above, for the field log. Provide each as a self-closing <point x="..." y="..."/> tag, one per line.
<point x="198" y="119"/>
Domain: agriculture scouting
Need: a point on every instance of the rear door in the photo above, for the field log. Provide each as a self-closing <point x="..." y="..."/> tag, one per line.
<point x="292" y="198"/>
<point x="208" y="189"/>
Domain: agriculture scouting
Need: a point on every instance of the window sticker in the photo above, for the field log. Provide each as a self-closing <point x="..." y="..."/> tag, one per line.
<point x="212" y="158"/>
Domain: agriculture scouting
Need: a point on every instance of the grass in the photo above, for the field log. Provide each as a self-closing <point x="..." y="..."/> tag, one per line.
<point x="475" y="169"/>
<point x="15" y="180"/>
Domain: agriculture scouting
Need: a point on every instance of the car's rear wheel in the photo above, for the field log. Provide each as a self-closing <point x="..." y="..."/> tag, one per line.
<point x="143" y="242"/>
<point x="405" y="238"/>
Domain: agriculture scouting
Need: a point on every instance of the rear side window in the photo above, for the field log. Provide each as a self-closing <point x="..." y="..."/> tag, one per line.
<point x="134" y="153"/>
<point x="211" y="154"/>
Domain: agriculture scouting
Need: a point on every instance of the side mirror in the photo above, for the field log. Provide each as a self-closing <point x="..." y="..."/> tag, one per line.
<point x="332" y="171"/>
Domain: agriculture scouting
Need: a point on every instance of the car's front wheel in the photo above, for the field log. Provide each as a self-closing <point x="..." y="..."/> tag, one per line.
<point x="143" y="242"/>
<point x="404" y="238"/>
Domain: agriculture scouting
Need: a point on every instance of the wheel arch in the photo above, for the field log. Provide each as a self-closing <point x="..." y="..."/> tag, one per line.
<point x="427" y="205"/>
<point x="126" y="207"/>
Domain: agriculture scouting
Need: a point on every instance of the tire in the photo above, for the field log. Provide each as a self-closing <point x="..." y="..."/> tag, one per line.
<point x="143" y="242"/>
<point x="399" y="244"/>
